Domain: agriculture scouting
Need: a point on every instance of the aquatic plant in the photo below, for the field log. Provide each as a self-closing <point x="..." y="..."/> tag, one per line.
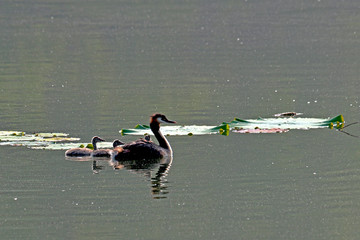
<point x="62" y="141"/>
<point x="260" y="125"/>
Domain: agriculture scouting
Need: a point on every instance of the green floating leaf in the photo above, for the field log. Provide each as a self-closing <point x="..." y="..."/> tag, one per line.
<point x="90" y="146"/>
<point x="139" y="126"/>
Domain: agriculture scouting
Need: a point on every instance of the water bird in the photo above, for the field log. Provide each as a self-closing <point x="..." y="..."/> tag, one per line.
<point x="82" y="152"/>
<point x="287" y="114"/>
<point x="106" y="152"/>
<point x="147" y="138"/>
<point x="146" y="149"/>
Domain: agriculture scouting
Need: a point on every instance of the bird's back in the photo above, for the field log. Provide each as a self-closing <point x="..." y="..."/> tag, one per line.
<point x="78" y="152"/>
<point x="140" y="149"/>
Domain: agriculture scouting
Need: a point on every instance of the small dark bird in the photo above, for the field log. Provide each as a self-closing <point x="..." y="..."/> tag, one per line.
<point x="82" y="152"/>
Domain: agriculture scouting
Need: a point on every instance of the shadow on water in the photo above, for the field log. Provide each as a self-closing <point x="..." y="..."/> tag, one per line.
<point x="154" y="170"/>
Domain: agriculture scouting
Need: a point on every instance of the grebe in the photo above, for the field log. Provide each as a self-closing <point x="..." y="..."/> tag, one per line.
<point x="117" y="142"/>
<point x="144" y="148"/>
<point x="106" y="152"/>
<point x="81" y="152"/>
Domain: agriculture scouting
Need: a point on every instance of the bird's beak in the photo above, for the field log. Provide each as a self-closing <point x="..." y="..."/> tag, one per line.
<point x="169" y="121"/>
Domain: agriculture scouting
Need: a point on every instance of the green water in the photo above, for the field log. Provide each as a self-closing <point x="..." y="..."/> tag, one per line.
<point x="93" y="67"/>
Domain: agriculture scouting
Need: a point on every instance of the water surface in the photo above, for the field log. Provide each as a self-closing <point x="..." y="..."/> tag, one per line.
<point x="92" y="68"/>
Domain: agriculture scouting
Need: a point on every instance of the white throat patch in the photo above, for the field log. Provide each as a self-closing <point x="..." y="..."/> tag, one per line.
<point x="159" y="119"/>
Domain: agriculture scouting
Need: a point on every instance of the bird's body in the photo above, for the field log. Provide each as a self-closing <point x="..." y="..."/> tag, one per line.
<point x="83" y="152"/>
<point x="106" y="153"/>
<point x="144" y="148"/>
<point x="78" y="152"/>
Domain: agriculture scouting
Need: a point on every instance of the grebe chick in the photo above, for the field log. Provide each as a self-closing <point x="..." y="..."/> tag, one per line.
<point x="144" y="148"/>
<point x="117" y="142"/>
<point x="106" y="152"/>
<point x="81" y="152"/>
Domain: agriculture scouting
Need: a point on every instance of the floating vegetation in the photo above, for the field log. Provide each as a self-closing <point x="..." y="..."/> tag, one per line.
<point x="10" y="136"/>
<point x="260" y="125"/>
<point x="49" y="141"/>
<point x="11" y="133"/>
<point x="287" y="123"/>
<point x="258" y="130"/>
<point x="171" y="130"/>
<point x="68" y="145"/>
<point x="62" y="141"/>
<point x="36" y="140"/>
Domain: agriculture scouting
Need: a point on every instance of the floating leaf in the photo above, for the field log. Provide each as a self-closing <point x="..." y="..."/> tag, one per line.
<point x="51" y="135"/>
<point x="286" y="123"/>
<point x="139" y="126"/>
<point x="59" y="139"/>
<point x="22" y="143"/>
<point x="11" y="133"/>
<point x="258" y="130"/>
<point x="172" y="130"/>
<point x="12" y="138"/>
<point x="261" y="124"/>
<point x="56" y="146"/>
<point x="35" y="140"/>
<point x="66" y="146"/>
<point x="90" y="146"/>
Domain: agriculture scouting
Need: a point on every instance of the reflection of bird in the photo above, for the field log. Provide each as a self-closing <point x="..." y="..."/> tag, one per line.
<point x="80" y="152"/>
<point x="146" y="149"/>
<point x="106" y="152"/>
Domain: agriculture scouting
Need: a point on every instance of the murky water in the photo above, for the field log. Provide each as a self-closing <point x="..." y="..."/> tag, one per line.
<point x="92" y="68"/>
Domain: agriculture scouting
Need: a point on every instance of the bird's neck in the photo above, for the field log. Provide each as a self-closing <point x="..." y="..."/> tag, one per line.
<point x="163" y="142"/>
<point x="94" y="145"/>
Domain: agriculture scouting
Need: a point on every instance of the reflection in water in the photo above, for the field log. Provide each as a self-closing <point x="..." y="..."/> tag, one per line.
<point x="146" y="167"/>
<point x="155" y="170"/>
<point x="158" y="182"/>
<point x="96" y="169"/>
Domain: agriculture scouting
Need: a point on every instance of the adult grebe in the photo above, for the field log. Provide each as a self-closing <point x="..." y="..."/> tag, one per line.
<point x="106" y="152"/>
<point x="81" y="152"/>
<point x="146" y="149"/>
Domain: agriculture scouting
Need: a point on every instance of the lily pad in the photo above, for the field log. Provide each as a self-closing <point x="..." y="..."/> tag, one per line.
<point x="56" y="146"/>
<point x="51" y="135"/>
<point x="59" y="139"/>
<point x="288" y="123"/>
<point x="11" y="133"/>
<point x="248" y="124"/>
<point x="171" y="130"/>
<point x="258" y="130"/>
<point x="68" y="145"/>
<point x="35" y="140"/>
